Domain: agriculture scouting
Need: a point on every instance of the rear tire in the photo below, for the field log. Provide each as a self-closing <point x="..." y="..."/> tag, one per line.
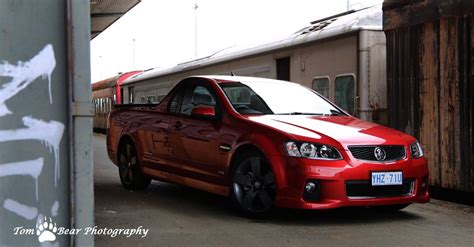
<point x="129" y="170"/>
<point x="252" y="185"/>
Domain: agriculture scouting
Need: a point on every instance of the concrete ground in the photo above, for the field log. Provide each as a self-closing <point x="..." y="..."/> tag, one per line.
<point x="180" y="216"/>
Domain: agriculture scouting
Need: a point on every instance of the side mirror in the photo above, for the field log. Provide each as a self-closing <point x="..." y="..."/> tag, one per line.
<point x="204" y="112"/>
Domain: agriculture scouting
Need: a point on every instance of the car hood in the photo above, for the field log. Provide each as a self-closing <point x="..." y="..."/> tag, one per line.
<point x="345" y="130"/>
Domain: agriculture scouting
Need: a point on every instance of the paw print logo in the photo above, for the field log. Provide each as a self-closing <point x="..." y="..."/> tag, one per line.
<point x="46" y="230"/>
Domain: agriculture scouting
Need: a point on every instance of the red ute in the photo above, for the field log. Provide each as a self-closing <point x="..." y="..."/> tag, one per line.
<point x="265" y="143"/>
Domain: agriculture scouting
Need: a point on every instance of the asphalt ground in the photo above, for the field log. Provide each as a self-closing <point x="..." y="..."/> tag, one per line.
<point x="179" y="216"/>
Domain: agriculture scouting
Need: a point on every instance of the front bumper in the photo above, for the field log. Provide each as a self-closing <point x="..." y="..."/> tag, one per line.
<point x="336" y="181"/>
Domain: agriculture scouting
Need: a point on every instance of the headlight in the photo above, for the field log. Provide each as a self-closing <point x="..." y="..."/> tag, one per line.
<point x="416" y="151"/>
<point x="312" y="151"/>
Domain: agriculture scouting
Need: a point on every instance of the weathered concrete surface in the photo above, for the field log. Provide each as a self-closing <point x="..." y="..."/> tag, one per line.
<point x="179" y="216"/>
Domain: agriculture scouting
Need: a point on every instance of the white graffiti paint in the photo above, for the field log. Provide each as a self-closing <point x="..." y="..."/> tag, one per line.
<point x="48" y="133"/>
<point x="31" y="168"/>
<point x="24" y="73"/>
<point x="24" y="211"/>
<point x="54" y="209"/>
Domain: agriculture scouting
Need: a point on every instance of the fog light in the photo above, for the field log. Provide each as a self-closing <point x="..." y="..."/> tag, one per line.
<point x="310" y="187"/>
<point x="311" y="191"/>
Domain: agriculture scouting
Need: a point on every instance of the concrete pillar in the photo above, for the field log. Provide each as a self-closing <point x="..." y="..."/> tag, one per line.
<point x="45" y="122"/>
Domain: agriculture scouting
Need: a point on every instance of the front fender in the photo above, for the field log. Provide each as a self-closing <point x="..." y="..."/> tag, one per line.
<point x="272" y="149"/>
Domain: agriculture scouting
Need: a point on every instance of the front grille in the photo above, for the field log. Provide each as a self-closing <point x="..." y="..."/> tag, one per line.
<point x="367" y="152"/>
<point x="363" y="188"/>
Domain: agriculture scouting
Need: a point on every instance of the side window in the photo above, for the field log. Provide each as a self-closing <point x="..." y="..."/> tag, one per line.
<point x="344" y="92"/>
<point x="174" y="103"/>
<point x="196" y="96"/>
<point x="321" y="85"/>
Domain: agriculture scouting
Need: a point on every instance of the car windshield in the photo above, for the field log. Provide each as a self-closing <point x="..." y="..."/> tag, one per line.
<point x="277" y="97"/>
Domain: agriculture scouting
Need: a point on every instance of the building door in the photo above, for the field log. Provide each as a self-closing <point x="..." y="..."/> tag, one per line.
<point x="345" y="93"/>
<point x="283" y="68"/>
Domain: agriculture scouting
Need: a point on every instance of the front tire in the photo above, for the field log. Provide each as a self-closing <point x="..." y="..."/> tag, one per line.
<point x="252" y="187"/>
<point x="129" y="170"/>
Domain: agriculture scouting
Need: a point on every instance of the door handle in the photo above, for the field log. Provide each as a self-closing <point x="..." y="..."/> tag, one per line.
<point x="178" y="124"/>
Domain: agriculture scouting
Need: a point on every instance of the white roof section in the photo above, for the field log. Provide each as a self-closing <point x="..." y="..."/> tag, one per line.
<point x="244" y="79"/>
<point x="351" y="21"/>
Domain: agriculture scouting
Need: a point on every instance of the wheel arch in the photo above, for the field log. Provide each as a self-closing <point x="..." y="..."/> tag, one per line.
<point x="276" y="163"/>
<point x="125" y="138"/>
<point x="240" y="151"/>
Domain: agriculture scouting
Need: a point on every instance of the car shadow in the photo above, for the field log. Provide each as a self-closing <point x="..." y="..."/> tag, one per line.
<point x="338" y="216"/>
<point x="181" y="200"/>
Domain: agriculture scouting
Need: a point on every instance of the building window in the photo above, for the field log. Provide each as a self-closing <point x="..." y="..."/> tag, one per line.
<point x="345" y="93"/>
<point x="321" y="85"/>
<point x="130" y="95"/>
<point x="100" y="106"/>
<point x="160" y="98"/>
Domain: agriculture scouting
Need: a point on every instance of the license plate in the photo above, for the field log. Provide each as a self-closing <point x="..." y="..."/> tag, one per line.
<point x="387" y="178"/>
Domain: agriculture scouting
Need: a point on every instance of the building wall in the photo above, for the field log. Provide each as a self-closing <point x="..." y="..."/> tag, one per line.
<point x="430" y="81"/>
<point x="372" y="79"/>
<point x="337" y="56"/>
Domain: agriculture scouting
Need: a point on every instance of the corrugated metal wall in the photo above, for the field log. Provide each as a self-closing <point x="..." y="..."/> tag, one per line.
<point x="430" y="76"/>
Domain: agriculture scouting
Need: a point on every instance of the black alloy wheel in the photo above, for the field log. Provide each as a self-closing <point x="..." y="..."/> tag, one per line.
<point x="129" y="170"/>
<point x="253" y="186"/>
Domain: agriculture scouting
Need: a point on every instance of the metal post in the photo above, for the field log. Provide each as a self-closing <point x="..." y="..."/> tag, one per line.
<point x="82" y="188"/>
<point x="195" y="30"/>
<point x="133" y="40"/>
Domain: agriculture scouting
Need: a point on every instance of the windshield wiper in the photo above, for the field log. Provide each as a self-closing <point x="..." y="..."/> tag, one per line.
<point x="336" y="113"/>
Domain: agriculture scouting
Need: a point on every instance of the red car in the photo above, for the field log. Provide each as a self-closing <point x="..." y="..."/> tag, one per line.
<point x="265" y="143"/>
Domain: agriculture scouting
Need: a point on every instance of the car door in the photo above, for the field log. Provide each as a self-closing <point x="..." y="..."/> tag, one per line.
<point x="154" y="139"/>
<point x="195" y="140"/>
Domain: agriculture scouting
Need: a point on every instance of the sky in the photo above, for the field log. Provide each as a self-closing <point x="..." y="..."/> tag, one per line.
<point x="161" y="33"/>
